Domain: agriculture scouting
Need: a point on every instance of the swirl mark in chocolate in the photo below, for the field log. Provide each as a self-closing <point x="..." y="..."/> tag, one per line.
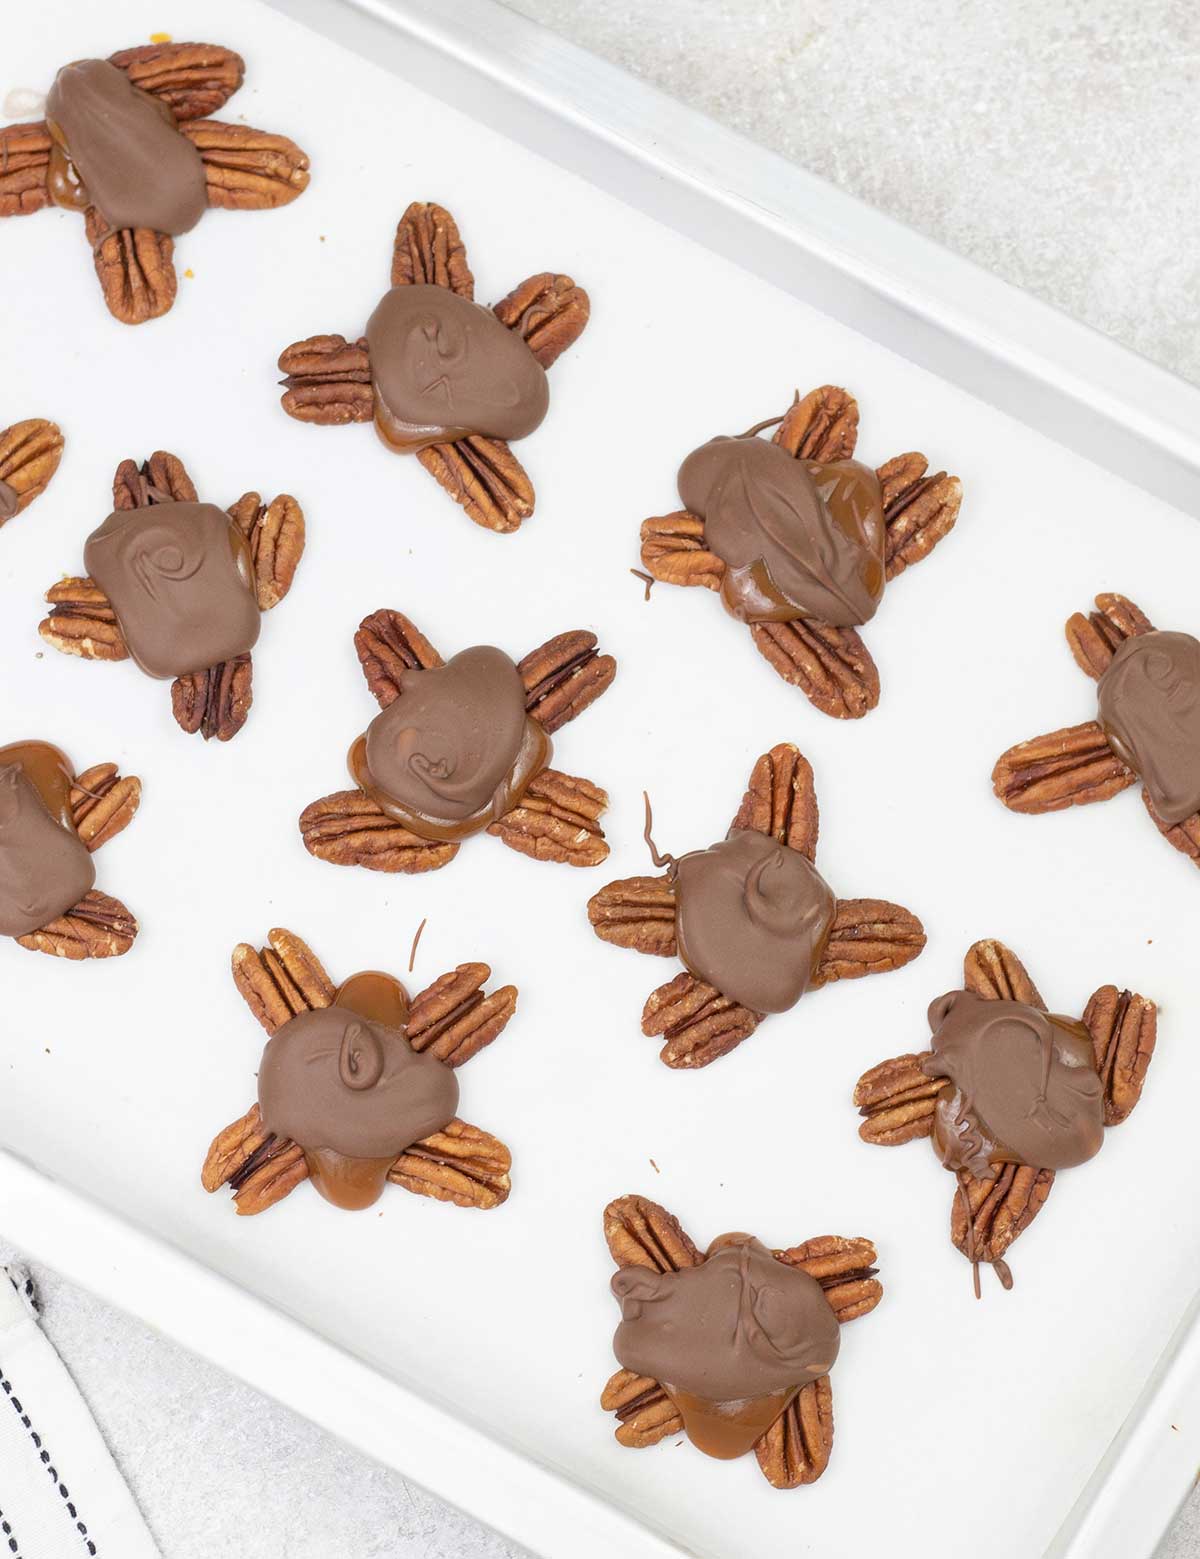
<point x="799" y="538"/>
<point x="1149" y="704"/>
<point x="456" y="750"/>
<point x="731" y="1340"/>
<point x="1021" y="1086"/>
<point x="179" y="578"/>
<point x="752" y="919"/>
<point x="119" y="148"/>
<point x="443" y="368"/>
<point x="45" y="868"/>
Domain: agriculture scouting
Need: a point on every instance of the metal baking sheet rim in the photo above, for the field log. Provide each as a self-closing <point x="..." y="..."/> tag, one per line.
<point x="990" y="339"/>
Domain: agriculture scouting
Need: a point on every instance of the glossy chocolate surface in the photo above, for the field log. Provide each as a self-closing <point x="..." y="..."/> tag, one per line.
<point x="45" y="868"/>
<point x="119" y="149"/>
<point x="798" y="538"/>
<point x="1149" y="699"/>
<point x="443" y="368"/>
<point x="180" y="580"/>
<point x="731" y="1341"/>
<point x="456" y="750"/>
<point x="1021" y="1086"/>
<point x="752" y="918"/>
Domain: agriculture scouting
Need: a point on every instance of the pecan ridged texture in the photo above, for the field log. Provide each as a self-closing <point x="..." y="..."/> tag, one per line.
<point x="1001" y="1209"/>
<point x="29" y="455"/>
<point x="485" y="477"/>
<point x="636" y="912"/>
<point x="347" y="828"/>
<point x="897" y="1099"/>
<point x="673" y="551"/>
<point x="781" y="800"/>
<point x="388" y="645"/>
<point x="428" y="251"/>
<point x="563" y="676"/>
<point x="275" y="533"/>
<point x="460" y="1164"/>
<point x="215" y="702"/>
<point x="1124" y="1028"/>
<point x="103" y="803"/>
<point x="831" y="666"/>
<point x="24" y="167"/>
<point x="868" y="936"/>
<point x="327" y="381"/>
<point x="822" y="426"/>
<point x="1068" y="768"/>
<point x="135" y="267"/>
<point x="454" y="1019"/>
<point x="247" y="169"/>
<point x="557" y="820"/>
<point x="97" y="927"/>
<point x="82" y="622"/>
<point x="1095" y="638"/>
<point x="698" y="1024"/>
<point x="548" y="312"/>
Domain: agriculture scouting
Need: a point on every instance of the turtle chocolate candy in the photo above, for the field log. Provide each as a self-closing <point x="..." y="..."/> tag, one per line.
<point x="179" y="587"/>
<point x="128" y="143"/>
<point x="1010" y="1094"/>
<point x="1147" y="727"/>
<point x="441" y="376"/>
<point x="357" y="1086"/>
<point x="751" y="919"/>
<point x="51" y="821"/>
<point x="732" y="1345"/>
<point x="799" y="539"/>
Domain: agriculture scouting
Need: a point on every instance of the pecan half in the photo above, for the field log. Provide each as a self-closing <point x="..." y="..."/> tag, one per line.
<point x="636" y="912"/>
<point x="845" y="1269"/>
<point x="348" y="829"/>
<point x="428" y="251"/>
<point x="781" y="800"/>
<point x="822" y="426"/>
<point x="868" y="936"/>
<point x="103" y="803"/>
<point x="994" y="972"/>
<point x="646" y="1413"/>
<point x="29" y="455"/>
<point x="918" y="510"/>
<point x="1184" y="836"/>
<point x="563" y="676"/>
<point x="548" y="312"/>
<point x="246" y="169"/>
<point x="214" y="702"/>
<point x="485" y="477"/>
<point x="673" y="551"/>
<point x="24" y="166"/>
<point x="897" y="1099"/>
<point x="699" y="1024"/>
<point x="97" y="927"/>
<point x="161" y="478"/>
<point x="1001" y="1209"/>
<point x="388" y="644"/>
<point x="81" y="621"/>
<point x="453" y="1019"/>
<point x="1124" y="1027"/>
<point x="260" y="1167"/>
<point x="275" y="532"/>
<point x="831" y="666"/>
<point x="193" y="78"/>
<point x="557" y="820"/>
<point x="460" y="1164"/>
<point x="1094" y="639"/>
<point x="1068" y="768"/>
<point x="284" y="978"/>
<point x="328" y="381"/>
<point x="135" y="268"/>
<point x="640" y="1233"/>
<point x="797" y="1446"/>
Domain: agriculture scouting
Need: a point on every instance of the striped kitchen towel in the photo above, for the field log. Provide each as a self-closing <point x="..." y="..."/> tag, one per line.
<point x="61" y="1496"/>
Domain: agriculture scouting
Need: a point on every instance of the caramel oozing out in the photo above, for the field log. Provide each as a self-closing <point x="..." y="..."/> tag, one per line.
<point x="728" y="1429"/>
<point x="49" y="771"/>
<point x="355" y="1183"/>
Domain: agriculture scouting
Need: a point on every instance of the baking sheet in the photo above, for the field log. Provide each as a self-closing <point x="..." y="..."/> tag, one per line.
<point x="115" y="1076"/>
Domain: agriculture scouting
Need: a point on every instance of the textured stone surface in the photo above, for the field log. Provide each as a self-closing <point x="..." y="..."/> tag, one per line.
<point x="1054" y="144"/>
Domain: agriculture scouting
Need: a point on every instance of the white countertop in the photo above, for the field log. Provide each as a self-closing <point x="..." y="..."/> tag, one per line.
<point x="1056" y="145"/>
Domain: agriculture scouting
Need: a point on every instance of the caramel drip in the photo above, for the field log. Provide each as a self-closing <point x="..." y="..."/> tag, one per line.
<point x="376" y="996"/>
<point x="728" y="1429"/>
<point x="349" y="1183"/>
<point x="49" y="771"/>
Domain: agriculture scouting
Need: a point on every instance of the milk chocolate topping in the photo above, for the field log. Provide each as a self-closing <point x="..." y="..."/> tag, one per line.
<point x="456" y="750"/>
<point x="1150" y="711"/>
<point x="119" y="149"/>
<point x="1022" y="1086"/>
<point x="45" y="868"/>
<point x="179" y="578"/>
<point x="9" y="499"/>
<point x="352" y="1093"/>
<point x="752" y="917"/>
<point x="731" y="1340"/>
<point x="798" y="538"/>
<point x="443" y="367"/>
